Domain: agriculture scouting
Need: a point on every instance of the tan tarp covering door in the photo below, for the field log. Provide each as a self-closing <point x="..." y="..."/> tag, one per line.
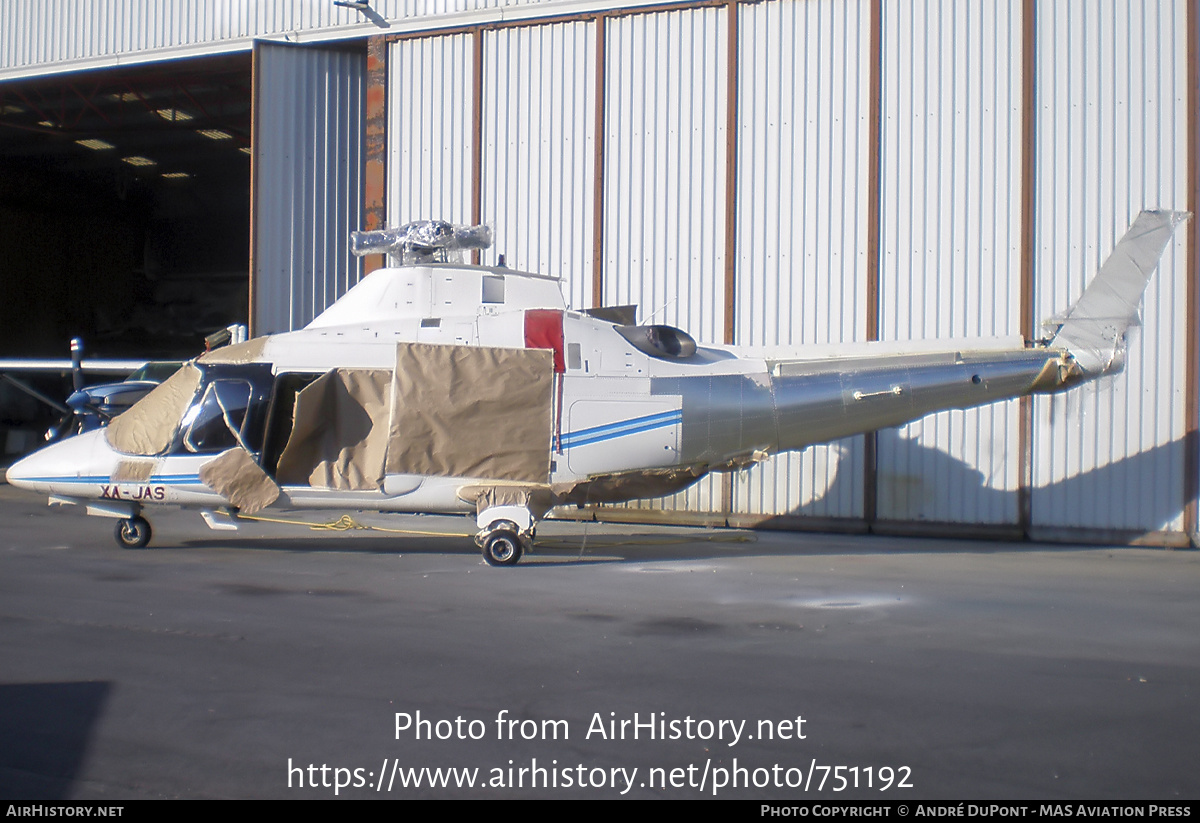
<point x="235" y="476"/>
<point x="150" y="424"/>
<point x="339" y="431"/>
<point x="470" y="411"/>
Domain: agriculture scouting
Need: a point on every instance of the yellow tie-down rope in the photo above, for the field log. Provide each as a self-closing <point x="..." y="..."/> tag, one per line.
<point x="347" y="523"/>
<point x="344" y="523"/>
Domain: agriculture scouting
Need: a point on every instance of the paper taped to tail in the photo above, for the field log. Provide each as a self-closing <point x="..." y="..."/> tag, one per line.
<point x="1094" y="329"/>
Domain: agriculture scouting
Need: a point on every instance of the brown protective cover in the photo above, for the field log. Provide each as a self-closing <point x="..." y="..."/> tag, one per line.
<point x="339" y="431"/>
<point x="617" y="488"/>
<point x="235" y="476"/>
<point x="471" y="411"/>
<point x="239" y="353"/>
<point x="538" y="499"/>
<point x="133" y="471"/>
<point x="149" y="425"/>
<point x="1060" y="369"/>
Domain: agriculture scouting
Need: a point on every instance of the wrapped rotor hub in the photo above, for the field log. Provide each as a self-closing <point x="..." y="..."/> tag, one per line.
<point x="424" y="241"/>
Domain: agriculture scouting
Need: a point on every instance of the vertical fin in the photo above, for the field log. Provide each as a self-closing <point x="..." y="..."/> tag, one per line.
<point x="1093" y="330"/>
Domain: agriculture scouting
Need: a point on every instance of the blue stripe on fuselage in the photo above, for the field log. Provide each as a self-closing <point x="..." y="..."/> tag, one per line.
<point x="611" y="431"/>
<point x="157" y="479"/>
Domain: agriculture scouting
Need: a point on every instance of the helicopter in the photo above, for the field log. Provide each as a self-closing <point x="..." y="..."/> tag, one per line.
<point x="437" y="386"/>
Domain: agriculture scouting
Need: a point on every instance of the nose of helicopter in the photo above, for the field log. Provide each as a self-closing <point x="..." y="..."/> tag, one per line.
<point x="71" y="461"/>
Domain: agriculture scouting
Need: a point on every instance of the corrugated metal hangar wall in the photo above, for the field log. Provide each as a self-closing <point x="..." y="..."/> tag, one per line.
<point x="787" y="172"/>
<point x="813" y="171"/>
<point x="306" y="181"/>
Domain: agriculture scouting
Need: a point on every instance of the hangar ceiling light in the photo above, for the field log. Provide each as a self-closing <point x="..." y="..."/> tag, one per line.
<point x="181" y="116"/>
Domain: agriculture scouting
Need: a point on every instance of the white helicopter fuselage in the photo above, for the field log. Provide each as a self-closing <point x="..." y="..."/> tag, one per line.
<point x="622" y="410"/>
<point x="448" y="388"/>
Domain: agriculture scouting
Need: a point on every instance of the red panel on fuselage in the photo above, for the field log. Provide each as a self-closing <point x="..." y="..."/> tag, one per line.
<point x="544" y="330"/>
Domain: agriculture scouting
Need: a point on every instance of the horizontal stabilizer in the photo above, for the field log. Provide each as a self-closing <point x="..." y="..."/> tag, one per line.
<point x="1093" y="330"/>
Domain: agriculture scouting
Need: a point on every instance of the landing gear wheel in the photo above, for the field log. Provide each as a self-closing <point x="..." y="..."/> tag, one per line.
<point x="502" y="548"/>
<point x="133" y="533"/>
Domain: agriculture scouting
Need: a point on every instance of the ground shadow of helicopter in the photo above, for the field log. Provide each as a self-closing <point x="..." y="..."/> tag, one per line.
<point x="908" y="492"/>
<point x="816" y="533"/>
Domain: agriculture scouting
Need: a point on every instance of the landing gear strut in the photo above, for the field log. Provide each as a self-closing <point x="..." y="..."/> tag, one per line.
<point x="133" y="533"/>
<point x="505" y="533"/>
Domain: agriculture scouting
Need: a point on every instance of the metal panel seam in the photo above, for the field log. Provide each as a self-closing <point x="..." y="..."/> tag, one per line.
<point x="874" y="252"/>
<point x="1028" y="251"/>
<point x="598" y="162"/>
<point x="1191" y="480"/>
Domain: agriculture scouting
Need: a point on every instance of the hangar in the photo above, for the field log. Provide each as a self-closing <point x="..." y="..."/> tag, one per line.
<point x="117" y="183"/>
<point x="774" y="172"/>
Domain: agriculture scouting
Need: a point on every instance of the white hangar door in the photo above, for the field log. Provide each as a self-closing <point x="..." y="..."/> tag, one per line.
<point x="309" y="121"/>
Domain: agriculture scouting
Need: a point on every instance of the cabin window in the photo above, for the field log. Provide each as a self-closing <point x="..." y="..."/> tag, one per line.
<point x="493" y="288"/>
<point x="220" y="420"/>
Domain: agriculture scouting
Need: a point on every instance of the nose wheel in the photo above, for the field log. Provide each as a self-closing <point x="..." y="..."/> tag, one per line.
<point x="133" y="533"/>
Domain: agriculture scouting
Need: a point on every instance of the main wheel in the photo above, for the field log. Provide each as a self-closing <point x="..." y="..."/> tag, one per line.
<point x="133" y="533"/>
<point x="502" y="548"/>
